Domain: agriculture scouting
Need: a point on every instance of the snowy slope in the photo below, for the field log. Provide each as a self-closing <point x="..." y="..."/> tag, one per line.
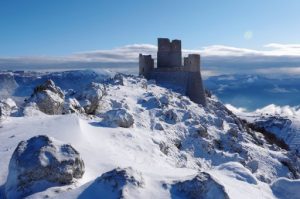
<point x="172" y="140"/>
<point x="283" y="122"/>
<point x="19" y="85"/>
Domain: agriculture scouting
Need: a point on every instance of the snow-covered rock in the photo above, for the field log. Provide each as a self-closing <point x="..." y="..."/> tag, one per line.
<point x="202" y="186"/>
<point x="285" y="188"/>
<point x="170" y="140"/>
<point x="238" y="171"/>
<point x="90" y="97"/>
<point x="114" y="184"/>
<point x="39" y="163"/>
<point x="48" y="98"/>
<point x="71" y="105"/>
<point x="8" y="84"/>
<point x="7" y="106"/>
<point x="281" y="123"/>
<point x="119" y="117"/>
<point x="170" y="116"/>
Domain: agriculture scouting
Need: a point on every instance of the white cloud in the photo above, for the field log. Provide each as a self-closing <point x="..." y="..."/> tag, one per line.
<point x="129" y="53"/>
<point x="278" y="89"/>
<point x="279" y="110"/>
<point x="220" y="50"/>
<point x="279" y="70"/>
<point x="216" y="59"/>
<point x="270" y="109"/>
<point x="283" y="49"/>
<point x="235" y="110"/>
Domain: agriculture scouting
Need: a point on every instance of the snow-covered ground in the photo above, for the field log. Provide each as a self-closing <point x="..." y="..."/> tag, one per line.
<point x="283" y="122"/>
<point x="174" y="148"/>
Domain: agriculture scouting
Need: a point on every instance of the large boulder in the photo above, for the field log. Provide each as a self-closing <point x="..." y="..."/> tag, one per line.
<point x="202" y="186"/>
<point x="90" y="97"/>
<point x="48" y="98"/>
<point x="119" y="117"/>
<point x="115" y="184"/>
<point x="39" y="163"/>
<point x="7" y="106"/>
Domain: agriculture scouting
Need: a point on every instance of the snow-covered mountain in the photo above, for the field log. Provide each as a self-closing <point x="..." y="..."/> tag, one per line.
<point x="125" y="137"/>
<point x="282" y="122"/>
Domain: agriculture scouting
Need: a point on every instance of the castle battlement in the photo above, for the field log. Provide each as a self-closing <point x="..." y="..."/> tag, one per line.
<point x="170" y="69"/>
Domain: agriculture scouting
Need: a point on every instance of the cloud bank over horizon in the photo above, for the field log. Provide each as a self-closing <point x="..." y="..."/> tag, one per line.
<point x="274" y="59"/>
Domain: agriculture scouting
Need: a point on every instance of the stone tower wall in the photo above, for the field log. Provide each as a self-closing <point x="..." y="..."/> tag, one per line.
<point x="169" y="53"/>
<point x="170" y="72"/>
<point x="146" y="65"/>
<point x="192" y="62"/>
<point x="195" y="89"/>
<point x="184" y="82"/>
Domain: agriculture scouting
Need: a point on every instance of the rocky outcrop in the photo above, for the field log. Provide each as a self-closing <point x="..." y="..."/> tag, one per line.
<point x="39" y="163"/>
<point x="48" y="98"/>
<point x="170" y="116"/>
<point x="119" y="117"/>
<point x="202" y="186"/>
<point x="91" y="96"/>
<point x="72" y="106"/>
<point x="7" y="106"/>
<point x="117" y="183"/>
<point x="8" y="84"/>
<point x="121" y="177"/>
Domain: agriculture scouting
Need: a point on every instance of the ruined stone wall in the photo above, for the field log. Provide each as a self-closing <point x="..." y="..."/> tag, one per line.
<point x="186" y="82"/>
<point x="172" y="79"/>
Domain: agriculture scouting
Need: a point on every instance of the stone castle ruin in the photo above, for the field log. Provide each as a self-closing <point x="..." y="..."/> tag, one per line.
<point x="169" y="70"/>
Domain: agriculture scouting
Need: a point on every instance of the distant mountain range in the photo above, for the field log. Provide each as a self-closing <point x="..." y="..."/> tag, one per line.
<point x="255" y="91"/>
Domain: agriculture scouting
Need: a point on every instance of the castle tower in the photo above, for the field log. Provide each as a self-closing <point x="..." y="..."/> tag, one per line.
<point x="146" y="65"/>
<point x="169" y="53"/>
<point x="170" y="70"/>
<point x="195" y="89"/>
<point x="192" y="63"/>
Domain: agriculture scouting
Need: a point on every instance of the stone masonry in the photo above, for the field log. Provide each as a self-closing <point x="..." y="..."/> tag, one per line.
<point x="170" y="71"/>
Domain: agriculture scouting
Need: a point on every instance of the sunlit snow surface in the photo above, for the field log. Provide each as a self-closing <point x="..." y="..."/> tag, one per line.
<point x="153" y="153"/>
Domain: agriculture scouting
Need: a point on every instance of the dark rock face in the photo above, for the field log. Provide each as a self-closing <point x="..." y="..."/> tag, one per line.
<point x="39" y="163"/>
<point x="49" y="98"/>
<point x="202" y="186"/>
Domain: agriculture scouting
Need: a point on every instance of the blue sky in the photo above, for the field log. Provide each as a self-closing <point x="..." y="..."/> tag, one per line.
<point x="63" y="27"/>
